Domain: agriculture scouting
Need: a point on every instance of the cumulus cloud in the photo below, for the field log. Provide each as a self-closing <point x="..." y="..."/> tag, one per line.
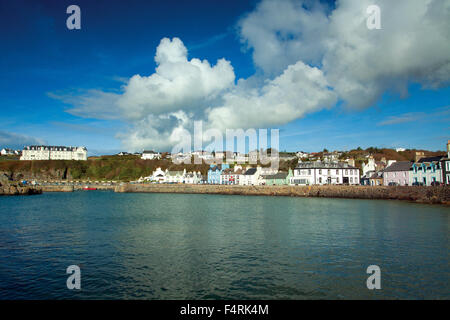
<point x="360" y="64"/>
<point x="17" y="141"/>
<point x="280" y="33"/>
<point x="95" y="104"/>
<point x="308" y="55"/>
<point x="161" y="108"/>
<point x="299" y="90"/>
<point x="177" y="84"/>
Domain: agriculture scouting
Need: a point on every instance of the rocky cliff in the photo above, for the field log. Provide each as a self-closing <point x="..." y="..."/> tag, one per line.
<point x="8" y="187"/>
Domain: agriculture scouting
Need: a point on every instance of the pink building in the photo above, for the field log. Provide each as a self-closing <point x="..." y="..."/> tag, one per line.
<point x="397" y="174"/>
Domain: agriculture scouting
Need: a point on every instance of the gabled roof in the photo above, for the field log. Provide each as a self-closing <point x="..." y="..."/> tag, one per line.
<point x="399" y="166"/>
<point x="174" y="173"/>
<point x="250" y="172"/>
<point x="279" y="175"/>
<point x="431" y="159"/>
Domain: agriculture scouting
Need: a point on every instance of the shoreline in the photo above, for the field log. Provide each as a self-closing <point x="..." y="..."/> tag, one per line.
<point x="415" y="194"/>
<point x="427" y="195"/>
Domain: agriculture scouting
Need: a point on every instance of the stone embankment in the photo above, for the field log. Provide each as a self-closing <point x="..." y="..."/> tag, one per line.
<point x="438" y="195"/>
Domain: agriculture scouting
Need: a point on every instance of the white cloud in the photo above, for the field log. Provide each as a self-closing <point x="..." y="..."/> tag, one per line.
<point x="280" y="33"/>
<point x="18" y="141"/>
<point x="177" y="84"/>
<point x="94" y="104"/>
<point x="299" y="90"/>
<point x="412" y="46"/>
<point x="360" y="64"/>
<point x="310" y="56"/>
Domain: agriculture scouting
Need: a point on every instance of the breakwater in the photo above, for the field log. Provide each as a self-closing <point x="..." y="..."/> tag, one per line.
<point x="438" y="195"/>
<point x="71" y="188"/>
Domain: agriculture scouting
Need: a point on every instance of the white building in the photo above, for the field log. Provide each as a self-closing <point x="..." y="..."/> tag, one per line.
<point x="150" y="155"/>
<point x="193" y="177"/>
<point x="370" y="166"/>
<point x="320" y="173"/>
<point x="158" y="176"/>
<point x="250" y="177"/>
<point x="302" y="155"/>
<point x="54" y="153"/>
<point x="175" y="176"/>
<point x="7" y="152"/>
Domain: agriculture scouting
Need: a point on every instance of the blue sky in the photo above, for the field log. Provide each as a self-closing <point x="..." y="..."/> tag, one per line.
<point x="45" y="67"/>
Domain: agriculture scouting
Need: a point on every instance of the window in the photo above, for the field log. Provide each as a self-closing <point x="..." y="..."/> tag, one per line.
<point x="351" y="179"/>
<point x="320" y="179"/>
<point x="329" y="171"/>
<point x="320" y="171"/>
<point x="309" y="171"/>
<point x="337" y="172"/>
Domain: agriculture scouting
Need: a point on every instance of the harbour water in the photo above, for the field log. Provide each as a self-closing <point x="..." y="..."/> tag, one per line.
<point x="180" y="246"/>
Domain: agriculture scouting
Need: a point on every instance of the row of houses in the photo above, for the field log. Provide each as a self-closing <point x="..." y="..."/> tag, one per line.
<point x="424" y="171"/>
<point x="220" y="156"/>
<point x="10" y="152"/>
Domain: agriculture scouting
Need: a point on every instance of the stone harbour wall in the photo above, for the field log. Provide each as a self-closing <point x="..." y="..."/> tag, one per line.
<point x="438" y="195"/>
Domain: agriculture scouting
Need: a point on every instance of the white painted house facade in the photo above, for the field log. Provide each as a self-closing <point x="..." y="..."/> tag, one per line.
<point x="320" y="173"/>
<point x="150" y="155"/>
<point x="54" y="153"/>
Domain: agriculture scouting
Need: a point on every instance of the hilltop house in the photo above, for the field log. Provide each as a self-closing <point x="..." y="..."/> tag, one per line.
<point x="321" y="173"/>
<point x="54" y="153"/>
<point x="7" y="152"/>
<point x="150" y="155"/>
<point x="397" y="174"/>
<point x="215" y="171"/>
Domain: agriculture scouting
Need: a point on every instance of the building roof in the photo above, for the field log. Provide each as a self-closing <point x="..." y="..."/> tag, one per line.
<point x="279" y="175"/>
<point x="431" y="159"/>
<point x="54" y="148"/>
<point x="250" y="172"/>
<point x="174" y="173"/>
<point x="324" y="165"/>
<point x="399" y="166"/>
<point x="377" y="175"/>
<point x="149" y="152"/>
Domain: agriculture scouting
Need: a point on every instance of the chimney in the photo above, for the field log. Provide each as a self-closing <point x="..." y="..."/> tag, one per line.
<point x="448" y="148"/>
<point x="419" y="155"/>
